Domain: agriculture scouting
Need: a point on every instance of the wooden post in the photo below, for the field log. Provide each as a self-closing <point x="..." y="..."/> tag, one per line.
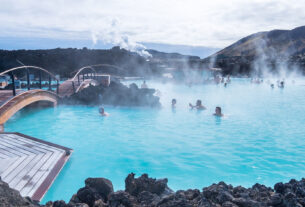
<point x="28" y="79"/>
<point x="40" y="85"/>
<point x="50" y="87"/>
<point x="1" y="128"/>
<point x="13" y="83"/>
<point x="57" y="87"/>
<point x="73" y="86"/>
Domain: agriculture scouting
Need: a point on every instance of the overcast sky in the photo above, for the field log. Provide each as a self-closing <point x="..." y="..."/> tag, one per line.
<point x="212" y="23"/>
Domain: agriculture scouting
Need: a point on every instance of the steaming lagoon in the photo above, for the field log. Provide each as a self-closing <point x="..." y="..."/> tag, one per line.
<point x="261" y="138"/>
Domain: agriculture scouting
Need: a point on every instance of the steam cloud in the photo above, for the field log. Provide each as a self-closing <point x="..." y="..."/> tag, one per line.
<point x="113" y="35"/>
<point x="271" y="63"/>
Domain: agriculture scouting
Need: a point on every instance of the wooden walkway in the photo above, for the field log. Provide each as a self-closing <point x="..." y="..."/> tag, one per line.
<point x="30" y="165"/>
<point x="6" y="95"/>
<point x="14" y="104"/>
<point x="66" y="88"/>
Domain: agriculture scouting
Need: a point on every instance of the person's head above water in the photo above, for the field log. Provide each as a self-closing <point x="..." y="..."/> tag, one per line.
<point x="198" y="105"/>
<point x="101" y="110"/>
<point x="174" y="101"/>
<point x="218" y="111"/>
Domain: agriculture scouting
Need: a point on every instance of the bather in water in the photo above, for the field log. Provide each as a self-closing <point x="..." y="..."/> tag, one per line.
<point x="198" y="105"/>
<point x="102" y="112"/>
<point x="174" y="101"/>
<point x="218" y="112"/>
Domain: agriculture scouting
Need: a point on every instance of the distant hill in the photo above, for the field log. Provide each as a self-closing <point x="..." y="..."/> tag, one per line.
<point x="262" y="51"/>
<point x="281" y="42"/>
<point x="65" y="61"/>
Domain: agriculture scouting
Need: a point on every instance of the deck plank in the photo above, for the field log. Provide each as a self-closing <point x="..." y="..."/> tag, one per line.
<point x="32" y="171"/>
<point x="34" y="143"/>
<point x="41" y="174"/>
<point x="22" y="147"/>
<point x="30" y="165"/>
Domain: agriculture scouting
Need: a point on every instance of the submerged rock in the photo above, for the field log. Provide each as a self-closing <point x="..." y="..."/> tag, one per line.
<point x="149" y="192"/>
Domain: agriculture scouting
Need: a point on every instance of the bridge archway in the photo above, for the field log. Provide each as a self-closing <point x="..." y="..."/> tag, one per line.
<point x="113" y="67"/>
<point x="13" y="105"/>
<point x="97" y="68"/>
<point x="82" y="70"/>
<point x="26" y="68"/>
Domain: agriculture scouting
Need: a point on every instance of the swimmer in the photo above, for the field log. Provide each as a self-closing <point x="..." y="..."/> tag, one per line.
<point x="174" y="101"/>
<point x="272" y="85"/>
<point x="281" y="84"/>
<point x="144" y="85"/>
<point x="225" y="84"/>
<point x="218" y="112"/>
<point x="198" y="105"/>
<point x="102" y="112"/>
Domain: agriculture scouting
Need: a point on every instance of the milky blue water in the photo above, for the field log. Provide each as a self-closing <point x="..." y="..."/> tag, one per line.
<point x="261" y="138"/>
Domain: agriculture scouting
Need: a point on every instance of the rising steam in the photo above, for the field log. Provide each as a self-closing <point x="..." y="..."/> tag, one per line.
<point x="113" y="35"/>
<point x="271" y="62"/>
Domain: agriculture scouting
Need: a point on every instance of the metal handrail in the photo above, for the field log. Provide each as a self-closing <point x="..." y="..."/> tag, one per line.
<point x="10" y="71"/>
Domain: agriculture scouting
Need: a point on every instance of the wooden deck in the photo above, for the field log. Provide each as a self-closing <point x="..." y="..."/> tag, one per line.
<point x="30" y="165"/>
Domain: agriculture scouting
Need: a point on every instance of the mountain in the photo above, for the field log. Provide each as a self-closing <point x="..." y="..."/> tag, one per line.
<point x="263" y="51"/>
<point x="282" y="42"/>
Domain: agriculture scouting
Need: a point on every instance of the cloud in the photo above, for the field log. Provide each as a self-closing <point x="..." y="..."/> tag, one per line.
<point x="215" y="23"/>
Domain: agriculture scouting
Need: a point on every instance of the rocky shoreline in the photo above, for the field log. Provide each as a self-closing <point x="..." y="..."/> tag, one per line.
<point x="148" y="192"/>
<point x="116" y="94"/>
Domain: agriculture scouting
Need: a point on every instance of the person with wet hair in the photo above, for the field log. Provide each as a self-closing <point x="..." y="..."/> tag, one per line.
<point x="281" y="85"/>
<point x="174" y="101"/>
<point x="102" y="112"/>
<point x="198" y="105"/>
<point x="272" y="85"/>
<point x="218" y="112"/>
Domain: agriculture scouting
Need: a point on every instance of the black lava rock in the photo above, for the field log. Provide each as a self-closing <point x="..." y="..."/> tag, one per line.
<point x="148" y="192"/>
